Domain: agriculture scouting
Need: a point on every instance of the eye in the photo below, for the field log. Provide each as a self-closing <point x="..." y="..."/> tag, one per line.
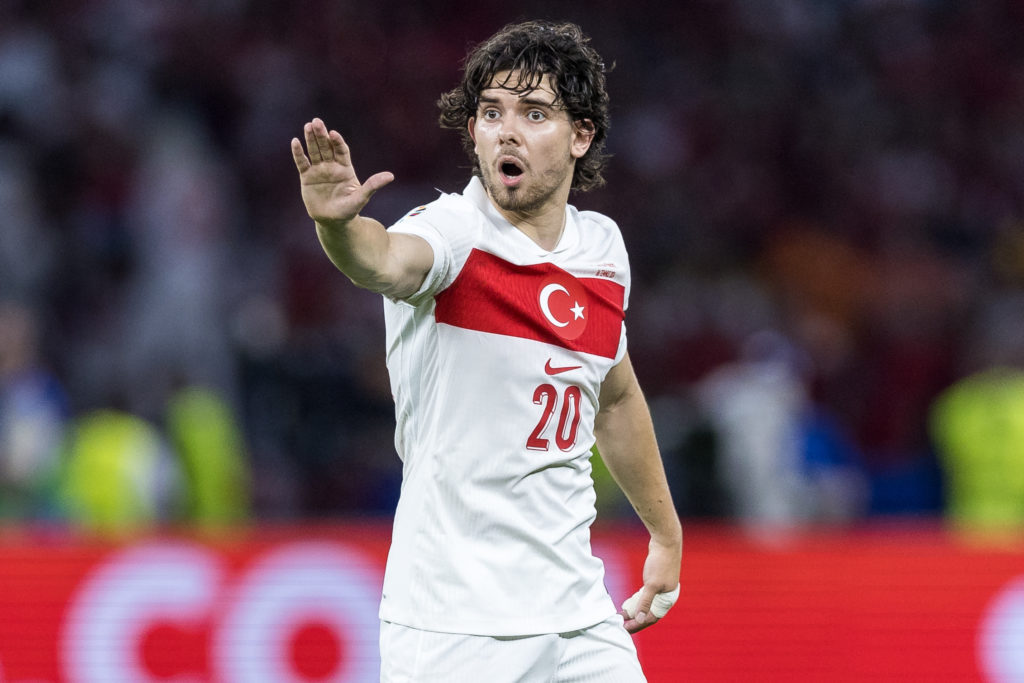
<point x="490" y="114"/>
<point x="536" y="115"/>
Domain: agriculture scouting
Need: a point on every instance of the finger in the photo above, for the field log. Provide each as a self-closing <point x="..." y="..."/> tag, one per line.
<point x="339" y="148"/>
<point x="637" y="610"/>
<point x="632" y="625"/>
<point x="299" y="156"/>
<point x="663" y="602"/>
<point x="643" y="604"/>
<point x="638" y="602"/>
<point x="377" y="181"/>
<point x="323" y="140"/>
<point x="312" y="147"/>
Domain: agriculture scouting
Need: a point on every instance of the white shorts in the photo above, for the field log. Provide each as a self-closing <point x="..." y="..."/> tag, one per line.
<point x="603" y="653"/>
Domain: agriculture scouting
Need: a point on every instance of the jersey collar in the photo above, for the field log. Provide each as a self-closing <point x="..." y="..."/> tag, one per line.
<point x="477" y="194"/>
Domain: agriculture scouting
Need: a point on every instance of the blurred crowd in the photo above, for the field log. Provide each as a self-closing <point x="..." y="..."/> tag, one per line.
<point x="822" y="201"/>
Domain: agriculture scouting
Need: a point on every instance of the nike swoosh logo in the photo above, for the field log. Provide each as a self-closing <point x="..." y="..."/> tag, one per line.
<point x="548" y="368"/>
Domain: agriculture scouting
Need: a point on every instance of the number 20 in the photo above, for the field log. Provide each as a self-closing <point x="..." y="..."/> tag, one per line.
<point x="568" y="419"/>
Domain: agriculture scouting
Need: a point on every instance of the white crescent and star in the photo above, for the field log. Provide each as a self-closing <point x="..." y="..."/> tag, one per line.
<point x="545" y="306"/>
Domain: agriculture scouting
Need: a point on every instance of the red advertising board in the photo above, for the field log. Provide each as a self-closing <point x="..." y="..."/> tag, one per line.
<point x="299" y="604"/>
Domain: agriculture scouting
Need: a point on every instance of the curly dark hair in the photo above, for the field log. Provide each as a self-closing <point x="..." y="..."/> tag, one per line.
<point x="533" y="50"/>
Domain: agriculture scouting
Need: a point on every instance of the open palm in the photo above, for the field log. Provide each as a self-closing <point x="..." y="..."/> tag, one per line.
<point x="331" y="190"/>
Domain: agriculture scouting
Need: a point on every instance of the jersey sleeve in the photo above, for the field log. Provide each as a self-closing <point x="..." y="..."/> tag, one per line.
<point x="450" y="227"/>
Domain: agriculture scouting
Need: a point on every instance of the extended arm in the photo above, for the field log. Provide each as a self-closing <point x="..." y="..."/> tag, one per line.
<point x="391" y="264"/>
<point x="625" y="439"/>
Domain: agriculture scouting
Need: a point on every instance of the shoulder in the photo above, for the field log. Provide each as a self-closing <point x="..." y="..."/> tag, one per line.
<point x="598" y="219"/>
<point x="451" y="225"/>
<point x="602" y="245"/>
<point x="602" y="234"/>
<point x="447" y="212"/>
<point x="599" y="225"/>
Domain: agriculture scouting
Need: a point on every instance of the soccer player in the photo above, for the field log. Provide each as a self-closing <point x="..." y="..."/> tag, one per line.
<point x="506" y="348"/>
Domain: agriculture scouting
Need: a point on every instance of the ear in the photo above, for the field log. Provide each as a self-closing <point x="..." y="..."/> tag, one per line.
<point x="471" y="124"/>
<point x="583" y="132"/>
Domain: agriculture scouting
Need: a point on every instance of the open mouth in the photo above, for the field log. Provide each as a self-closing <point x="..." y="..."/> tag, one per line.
<point x="511" y="170"/>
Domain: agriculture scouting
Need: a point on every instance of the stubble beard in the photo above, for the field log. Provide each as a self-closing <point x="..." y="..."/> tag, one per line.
<point x="526" y="200"/>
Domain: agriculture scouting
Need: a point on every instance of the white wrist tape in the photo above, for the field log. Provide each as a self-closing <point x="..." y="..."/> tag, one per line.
<point x="659" y="606"/>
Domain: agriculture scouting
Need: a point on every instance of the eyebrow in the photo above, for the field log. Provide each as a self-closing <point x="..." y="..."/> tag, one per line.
<point x="525" y="100"/>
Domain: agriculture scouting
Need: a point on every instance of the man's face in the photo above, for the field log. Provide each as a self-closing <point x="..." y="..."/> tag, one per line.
<point x="526" y="145"/>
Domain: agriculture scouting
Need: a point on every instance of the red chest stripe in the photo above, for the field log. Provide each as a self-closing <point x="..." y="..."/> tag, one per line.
<point x="540" y="302"/>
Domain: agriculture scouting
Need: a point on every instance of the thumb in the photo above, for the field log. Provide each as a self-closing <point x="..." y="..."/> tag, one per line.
<point x="376" y="182"/>
<point x="647" y="605"/>
<point x="643" y="606"/>
<point x="638" y="606"/>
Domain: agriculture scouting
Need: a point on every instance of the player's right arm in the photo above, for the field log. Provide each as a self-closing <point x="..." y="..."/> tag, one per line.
<point x="391" y="264"/>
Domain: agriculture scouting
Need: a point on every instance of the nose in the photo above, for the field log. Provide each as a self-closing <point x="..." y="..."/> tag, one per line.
<point x="508" y="134"/>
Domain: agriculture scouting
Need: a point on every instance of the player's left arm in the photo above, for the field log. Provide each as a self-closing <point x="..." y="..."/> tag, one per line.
<point x="626" y="441"/>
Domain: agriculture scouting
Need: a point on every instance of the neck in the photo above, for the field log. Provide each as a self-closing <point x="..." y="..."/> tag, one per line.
<point x="543" y="224"/>
<point x="544" y="229"/>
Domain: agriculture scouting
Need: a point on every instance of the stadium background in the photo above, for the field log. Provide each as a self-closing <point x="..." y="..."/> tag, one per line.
<point x="822" y="202"/>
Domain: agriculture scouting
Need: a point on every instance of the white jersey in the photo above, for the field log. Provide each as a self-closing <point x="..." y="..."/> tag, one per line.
<point x="496" y="365"/>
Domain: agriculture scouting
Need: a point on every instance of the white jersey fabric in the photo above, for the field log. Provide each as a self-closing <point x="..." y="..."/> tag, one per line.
<point x="496" y="365"/>
<point x="603" y="653"/>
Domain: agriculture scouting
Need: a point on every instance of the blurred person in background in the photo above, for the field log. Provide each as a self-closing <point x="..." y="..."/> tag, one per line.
<point x="118" y="475"/>
<point x="210" y="446"/>
<point x="504" y="311"/>
<point x="977" y="423"/>
<point x="176" y="312"/>
<point x="33" y="417"/>
<point x="122" y="473"/>
<point x="783" y="460"/>
<point x="978" y="428"/>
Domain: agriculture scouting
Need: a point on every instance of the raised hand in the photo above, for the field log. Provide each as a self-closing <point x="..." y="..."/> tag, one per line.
<point x="331" y="190"/>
